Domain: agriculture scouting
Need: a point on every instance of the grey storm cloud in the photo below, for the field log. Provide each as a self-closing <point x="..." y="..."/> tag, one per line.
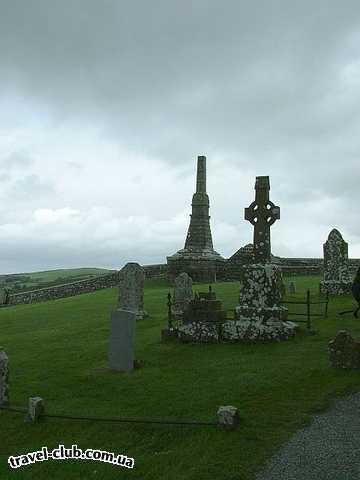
<point x="260" y="87"/>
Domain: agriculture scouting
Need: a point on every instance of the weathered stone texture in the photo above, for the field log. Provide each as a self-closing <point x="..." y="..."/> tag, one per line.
<point x="131" y="289"/>
<point x="336" y="280"/>
<point x="121" y="349"/>
<point x="344" y="351"/>
<point x="183" y="293"/>
<point x="260" y="316"/>
<point x="36" y="409"/>
<point x="228" y="416"/>
<point x="198" y="257"/>
<point x="4" y="378"/>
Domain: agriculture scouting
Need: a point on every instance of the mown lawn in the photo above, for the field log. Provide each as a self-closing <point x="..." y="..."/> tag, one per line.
<point x="57" y="350"/>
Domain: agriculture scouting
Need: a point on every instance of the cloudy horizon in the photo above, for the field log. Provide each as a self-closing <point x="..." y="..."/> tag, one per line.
<point x="105" y="107"/>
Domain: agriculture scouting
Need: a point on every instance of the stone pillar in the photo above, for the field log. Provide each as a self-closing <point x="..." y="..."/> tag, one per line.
<point x="131" y="290"/>
<point x="4" y="378"/>
<point x="198" y="257"/>
<point x="121" y="349"/>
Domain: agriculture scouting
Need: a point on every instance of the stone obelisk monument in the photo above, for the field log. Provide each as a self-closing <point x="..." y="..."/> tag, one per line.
<point x="198" y="258"/>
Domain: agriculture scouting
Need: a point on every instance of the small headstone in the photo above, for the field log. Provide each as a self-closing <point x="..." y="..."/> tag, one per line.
<point x="336" y="280"/>
<point x="4" y="378"/>
<point x="131" y="289"/>
<point x="183" y="293"/>
<point x="228" y="417"/>
<point x="355" y="289"/>
<point x="36" y="409"/>
<point x="121" y="350"/>
<point x="3" y="295"/>
<point x="292" y="288"/>
<point x="344" y="351"/>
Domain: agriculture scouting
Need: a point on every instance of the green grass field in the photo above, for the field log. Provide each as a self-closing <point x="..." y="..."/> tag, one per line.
<point x="57" y="350"/>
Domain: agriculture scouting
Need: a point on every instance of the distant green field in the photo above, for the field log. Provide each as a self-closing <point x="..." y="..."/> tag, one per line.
<point x="33" y="280"/>
<point x="50" y="275"/>
<point x="57" y="350"/>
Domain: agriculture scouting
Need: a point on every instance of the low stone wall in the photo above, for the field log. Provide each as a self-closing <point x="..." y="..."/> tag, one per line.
<point x="66" y="290"/>
<point x="81" y="286"/>
<point x="289" y="266"/>
<point x="155" y="271"/>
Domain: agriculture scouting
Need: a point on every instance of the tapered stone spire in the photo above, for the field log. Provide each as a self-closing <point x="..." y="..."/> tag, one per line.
<point x="198" y="257"/>
<point x="199" y="233"/>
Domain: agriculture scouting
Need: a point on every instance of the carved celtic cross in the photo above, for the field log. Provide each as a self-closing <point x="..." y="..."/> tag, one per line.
<point x="262" y="213"/>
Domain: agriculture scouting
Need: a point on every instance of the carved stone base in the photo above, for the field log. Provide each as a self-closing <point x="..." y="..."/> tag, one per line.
<point x="199" y="332"/>
<point x="335" y="287"/>
<point x="250" y="331"/>
<point x="260" y="317"/>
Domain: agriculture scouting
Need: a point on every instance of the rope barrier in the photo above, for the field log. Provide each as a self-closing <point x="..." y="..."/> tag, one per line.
<point x="112" y="420"/>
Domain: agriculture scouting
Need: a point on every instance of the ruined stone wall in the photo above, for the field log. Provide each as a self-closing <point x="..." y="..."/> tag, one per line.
<point x="66" y="290"/>
<point x="292" y="266"/>
<point x="81" y="286"/>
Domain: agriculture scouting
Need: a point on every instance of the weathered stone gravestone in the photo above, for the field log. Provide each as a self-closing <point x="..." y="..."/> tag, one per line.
<point x="336" y="279"/>
<point x="131" y="290"/>
<point x="228" y="416"/>
<point x="260" y="315"/>
<point x="36" y="409"/>
<point x="292" y="288"/>
<point x="3" y="293"/>
<point x="4" y="378"/>
<point x="183" y="294"/>
<point x="344" y="351"/>
<point x="121" y="349"/>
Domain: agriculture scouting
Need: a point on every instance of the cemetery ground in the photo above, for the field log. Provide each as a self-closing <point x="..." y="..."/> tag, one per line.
<point x="57" y="350"/>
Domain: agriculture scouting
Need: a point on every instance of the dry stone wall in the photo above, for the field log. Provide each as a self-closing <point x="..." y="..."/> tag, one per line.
<point x="289" y="266"/>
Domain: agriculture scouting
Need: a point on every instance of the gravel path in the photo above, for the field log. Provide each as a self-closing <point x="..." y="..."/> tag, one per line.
<point x="329" y="449"/>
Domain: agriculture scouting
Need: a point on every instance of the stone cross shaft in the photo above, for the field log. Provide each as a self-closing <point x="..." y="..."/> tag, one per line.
<point x="262" y="213"/>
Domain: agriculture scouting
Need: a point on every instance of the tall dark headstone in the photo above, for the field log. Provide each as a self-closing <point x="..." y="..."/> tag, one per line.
<point x="198" y="257"/>
<point x="262" y="213"/>
<point x="260" y="315"/>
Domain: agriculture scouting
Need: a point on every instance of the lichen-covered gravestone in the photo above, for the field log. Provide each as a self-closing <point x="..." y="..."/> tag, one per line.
<point x="336" y="280"/>
<point x="131" y="290"/>
<point x="4" y="378"/>
<point x="344" y="351"/>
<point x="260" y="315"/>
<point x="183" y="294"/>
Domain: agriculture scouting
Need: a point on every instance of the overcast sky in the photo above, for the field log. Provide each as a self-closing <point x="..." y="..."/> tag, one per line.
<point x="105" y="106"/>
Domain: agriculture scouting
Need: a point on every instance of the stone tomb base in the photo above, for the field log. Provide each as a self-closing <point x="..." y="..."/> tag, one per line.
<point x="335" y="287"/>
<point x="260" y="317"/>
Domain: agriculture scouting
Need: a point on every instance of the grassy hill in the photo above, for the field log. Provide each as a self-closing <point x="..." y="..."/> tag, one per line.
<point x="58" y="349"/>
<point x="31" y="281"/>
